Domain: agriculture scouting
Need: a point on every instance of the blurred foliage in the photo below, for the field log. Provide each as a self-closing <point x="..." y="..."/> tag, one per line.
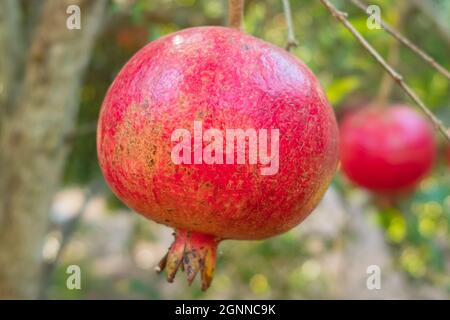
<point x="417" y="228"/>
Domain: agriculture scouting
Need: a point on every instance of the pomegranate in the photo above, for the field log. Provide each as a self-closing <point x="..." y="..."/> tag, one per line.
<point x="386" y="150"/>
<point x="212" y="80"/>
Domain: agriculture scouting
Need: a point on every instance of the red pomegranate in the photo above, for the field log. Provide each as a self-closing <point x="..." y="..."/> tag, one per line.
<point x="164" y="148"/>
<point x="386" y="150"/>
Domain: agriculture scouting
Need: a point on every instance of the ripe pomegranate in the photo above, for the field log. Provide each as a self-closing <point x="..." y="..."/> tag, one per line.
<point x="386" y="150"/>
<point x="220" y="78"/>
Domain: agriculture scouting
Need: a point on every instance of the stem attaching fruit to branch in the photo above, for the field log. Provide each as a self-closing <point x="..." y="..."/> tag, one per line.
<point x="236" y="14"/>
<point x="342" y="17"/>
<point x="291" y="41"/>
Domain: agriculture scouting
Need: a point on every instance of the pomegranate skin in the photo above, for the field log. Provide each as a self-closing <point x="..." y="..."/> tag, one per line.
<point x="386" y="150"/>
<point x="226" y="79"/>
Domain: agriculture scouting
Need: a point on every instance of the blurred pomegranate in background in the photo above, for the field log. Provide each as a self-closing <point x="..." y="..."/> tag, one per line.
<point x="386" y="150"/>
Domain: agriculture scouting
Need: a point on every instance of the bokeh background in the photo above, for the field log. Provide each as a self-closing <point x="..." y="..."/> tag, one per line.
<point x="56" y="211"/>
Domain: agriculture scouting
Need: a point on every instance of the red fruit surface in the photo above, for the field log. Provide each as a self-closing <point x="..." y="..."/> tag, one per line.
<point x="386" y="150"/>
<point x="226" y="79"/>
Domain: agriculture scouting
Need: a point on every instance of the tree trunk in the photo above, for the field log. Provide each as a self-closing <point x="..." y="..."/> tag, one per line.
<point x="32" y="138"/>
<point x="11" y="51"/>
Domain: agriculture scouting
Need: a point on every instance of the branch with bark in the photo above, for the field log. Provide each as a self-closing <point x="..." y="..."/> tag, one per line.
<point x="236" y="13"/>
<point x="387" y="83"/>
<point x="342" y="17"/>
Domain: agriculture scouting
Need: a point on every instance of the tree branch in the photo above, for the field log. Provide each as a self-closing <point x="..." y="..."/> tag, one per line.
<point x="32" y="12"/>
<point x="235" y="13"/>
<point x="406" y="42"/>
<point x="342" y="17"/>
<point x="291" y="41"/>
<point x="394" y="54"/>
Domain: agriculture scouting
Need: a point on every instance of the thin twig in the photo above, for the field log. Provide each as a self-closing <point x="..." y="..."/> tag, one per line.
<point x="292" y="42"/>
<point x="407" y="43"/>
<point x="235" y="13"/>
<point x="394" y="53"/>
<point x="342" y="17"/>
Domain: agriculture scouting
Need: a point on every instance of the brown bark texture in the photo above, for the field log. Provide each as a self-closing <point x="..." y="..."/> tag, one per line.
<point x="33" y="124"/>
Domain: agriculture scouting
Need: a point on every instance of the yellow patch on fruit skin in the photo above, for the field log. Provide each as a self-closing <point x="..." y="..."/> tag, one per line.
<point x="137" y="155"/>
